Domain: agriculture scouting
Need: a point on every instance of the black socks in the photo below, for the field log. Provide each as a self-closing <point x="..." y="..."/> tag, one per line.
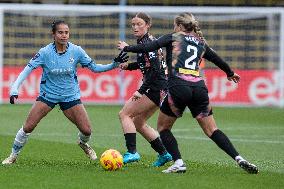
<point x="224" y="143"/>
<point x="130" y="139"/>
<point x="158" y="146"/>
<point x="170" y="143"/>
<point x="218" y="137"/>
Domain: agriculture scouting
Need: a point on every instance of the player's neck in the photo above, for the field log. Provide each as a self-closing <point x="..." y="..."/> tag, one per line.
<point x="61" y="48"/>
<point x="140" y="37"/>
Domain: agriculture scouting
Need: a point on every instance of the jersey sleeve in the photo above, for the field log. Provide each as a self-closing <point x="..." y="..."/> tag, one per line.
<point x="37" y="60"/>
<point x="87" y="62"/>
<point x="132" y="66"/>
<point x="22" y="76"/>
<point x="151" y="46"/>
<point x="212" y="56"/>
<point x="84" y="58"/>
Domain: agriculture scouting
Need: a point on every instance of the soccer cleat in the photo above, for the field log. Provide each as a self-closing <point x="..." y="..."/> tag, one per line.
<point x="175" y="169"/>
<point x="248" y="167"/>
<point x="129" y="157"/>
<point x="10" y="160"/>
<point x="162" y="159"/>
<point x="88" y="150"/>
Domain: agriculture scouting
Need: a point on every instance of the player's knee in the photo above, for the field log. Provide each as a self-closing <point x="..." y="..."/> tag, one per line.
<point x="121" y="114"/>
<point x="124" y="114"/>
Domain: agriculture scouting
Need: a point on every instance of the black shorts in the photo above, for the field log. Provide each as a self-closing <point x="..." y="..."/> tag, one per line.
<point x="194" y="97"/>
<point x="63" y="105"/>
<point x="154" y="95"/>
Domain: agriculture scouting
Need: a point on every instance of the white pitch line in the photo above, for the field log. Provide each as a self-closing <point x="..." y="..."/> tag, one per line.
<point x="230" y="129"/>
<point x="234" y="139"/>
<point x="177" y="136"/>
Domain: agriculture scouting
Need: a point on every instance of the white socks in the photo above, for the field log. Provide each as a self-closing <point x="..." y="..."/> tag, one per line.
<point x="83" y="138"/>
<point x="20" y="140"/>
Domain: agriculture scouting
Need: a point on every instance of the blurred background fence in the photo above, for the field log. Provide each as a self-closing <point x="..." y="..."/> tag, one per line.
<point x="250" y="39"/>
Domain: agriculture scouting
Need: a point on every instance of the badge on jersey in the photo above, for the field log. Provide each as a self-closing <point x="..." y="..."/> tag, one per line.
<point x="152" y="55"/>
<point x="36" y="56"/>
<point x="71" y="60"/>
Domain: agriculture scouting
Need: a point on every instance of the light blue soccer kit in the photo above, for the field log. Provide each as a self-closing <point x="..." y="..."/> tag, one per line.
<point x="59" y="85"/>
<point x="59" y="81"/>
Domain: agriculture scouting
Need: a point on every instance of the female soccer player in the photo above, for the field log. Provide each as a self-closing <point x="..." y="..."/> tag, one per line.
<point x="185" y="48"/>
<point x="59" y="85"/>
<point x="145" y="101"/>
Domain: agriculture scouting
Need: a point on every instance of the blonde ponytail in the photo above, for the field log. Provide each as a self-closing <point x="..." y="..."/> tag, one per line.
<point x="189" y="23"/>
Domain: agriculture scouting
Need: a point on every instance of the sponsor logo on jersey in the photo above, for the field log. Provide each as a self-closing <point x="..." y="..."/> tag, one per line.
<point x="61" y="71"/>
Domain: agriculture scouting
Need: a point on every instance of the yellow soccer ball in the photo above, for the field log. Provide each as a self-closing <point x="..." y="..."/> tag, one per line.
<point x="111" y="160"/>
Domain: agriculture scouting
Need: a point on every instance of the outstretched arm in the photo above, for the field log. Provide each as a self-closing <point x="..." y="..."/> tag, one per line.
<point x="212" y="56"/>
<point x="133" y="66"/>
<point x="235" y="78"/>
<point x="121" y="58"/>
<point x="22" y="76"/>
<point x="163" y="41"/>
<point x="100" y="67"/>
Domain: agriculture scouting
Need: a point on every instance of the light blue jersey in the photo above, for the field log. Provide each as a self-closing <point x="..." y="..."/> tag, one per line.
<point x="59" y="81"/>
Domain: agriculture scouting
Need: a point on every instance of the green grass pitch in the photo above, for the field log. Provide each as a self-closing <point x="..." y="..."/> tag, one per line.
<point x="52" y="159"/>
